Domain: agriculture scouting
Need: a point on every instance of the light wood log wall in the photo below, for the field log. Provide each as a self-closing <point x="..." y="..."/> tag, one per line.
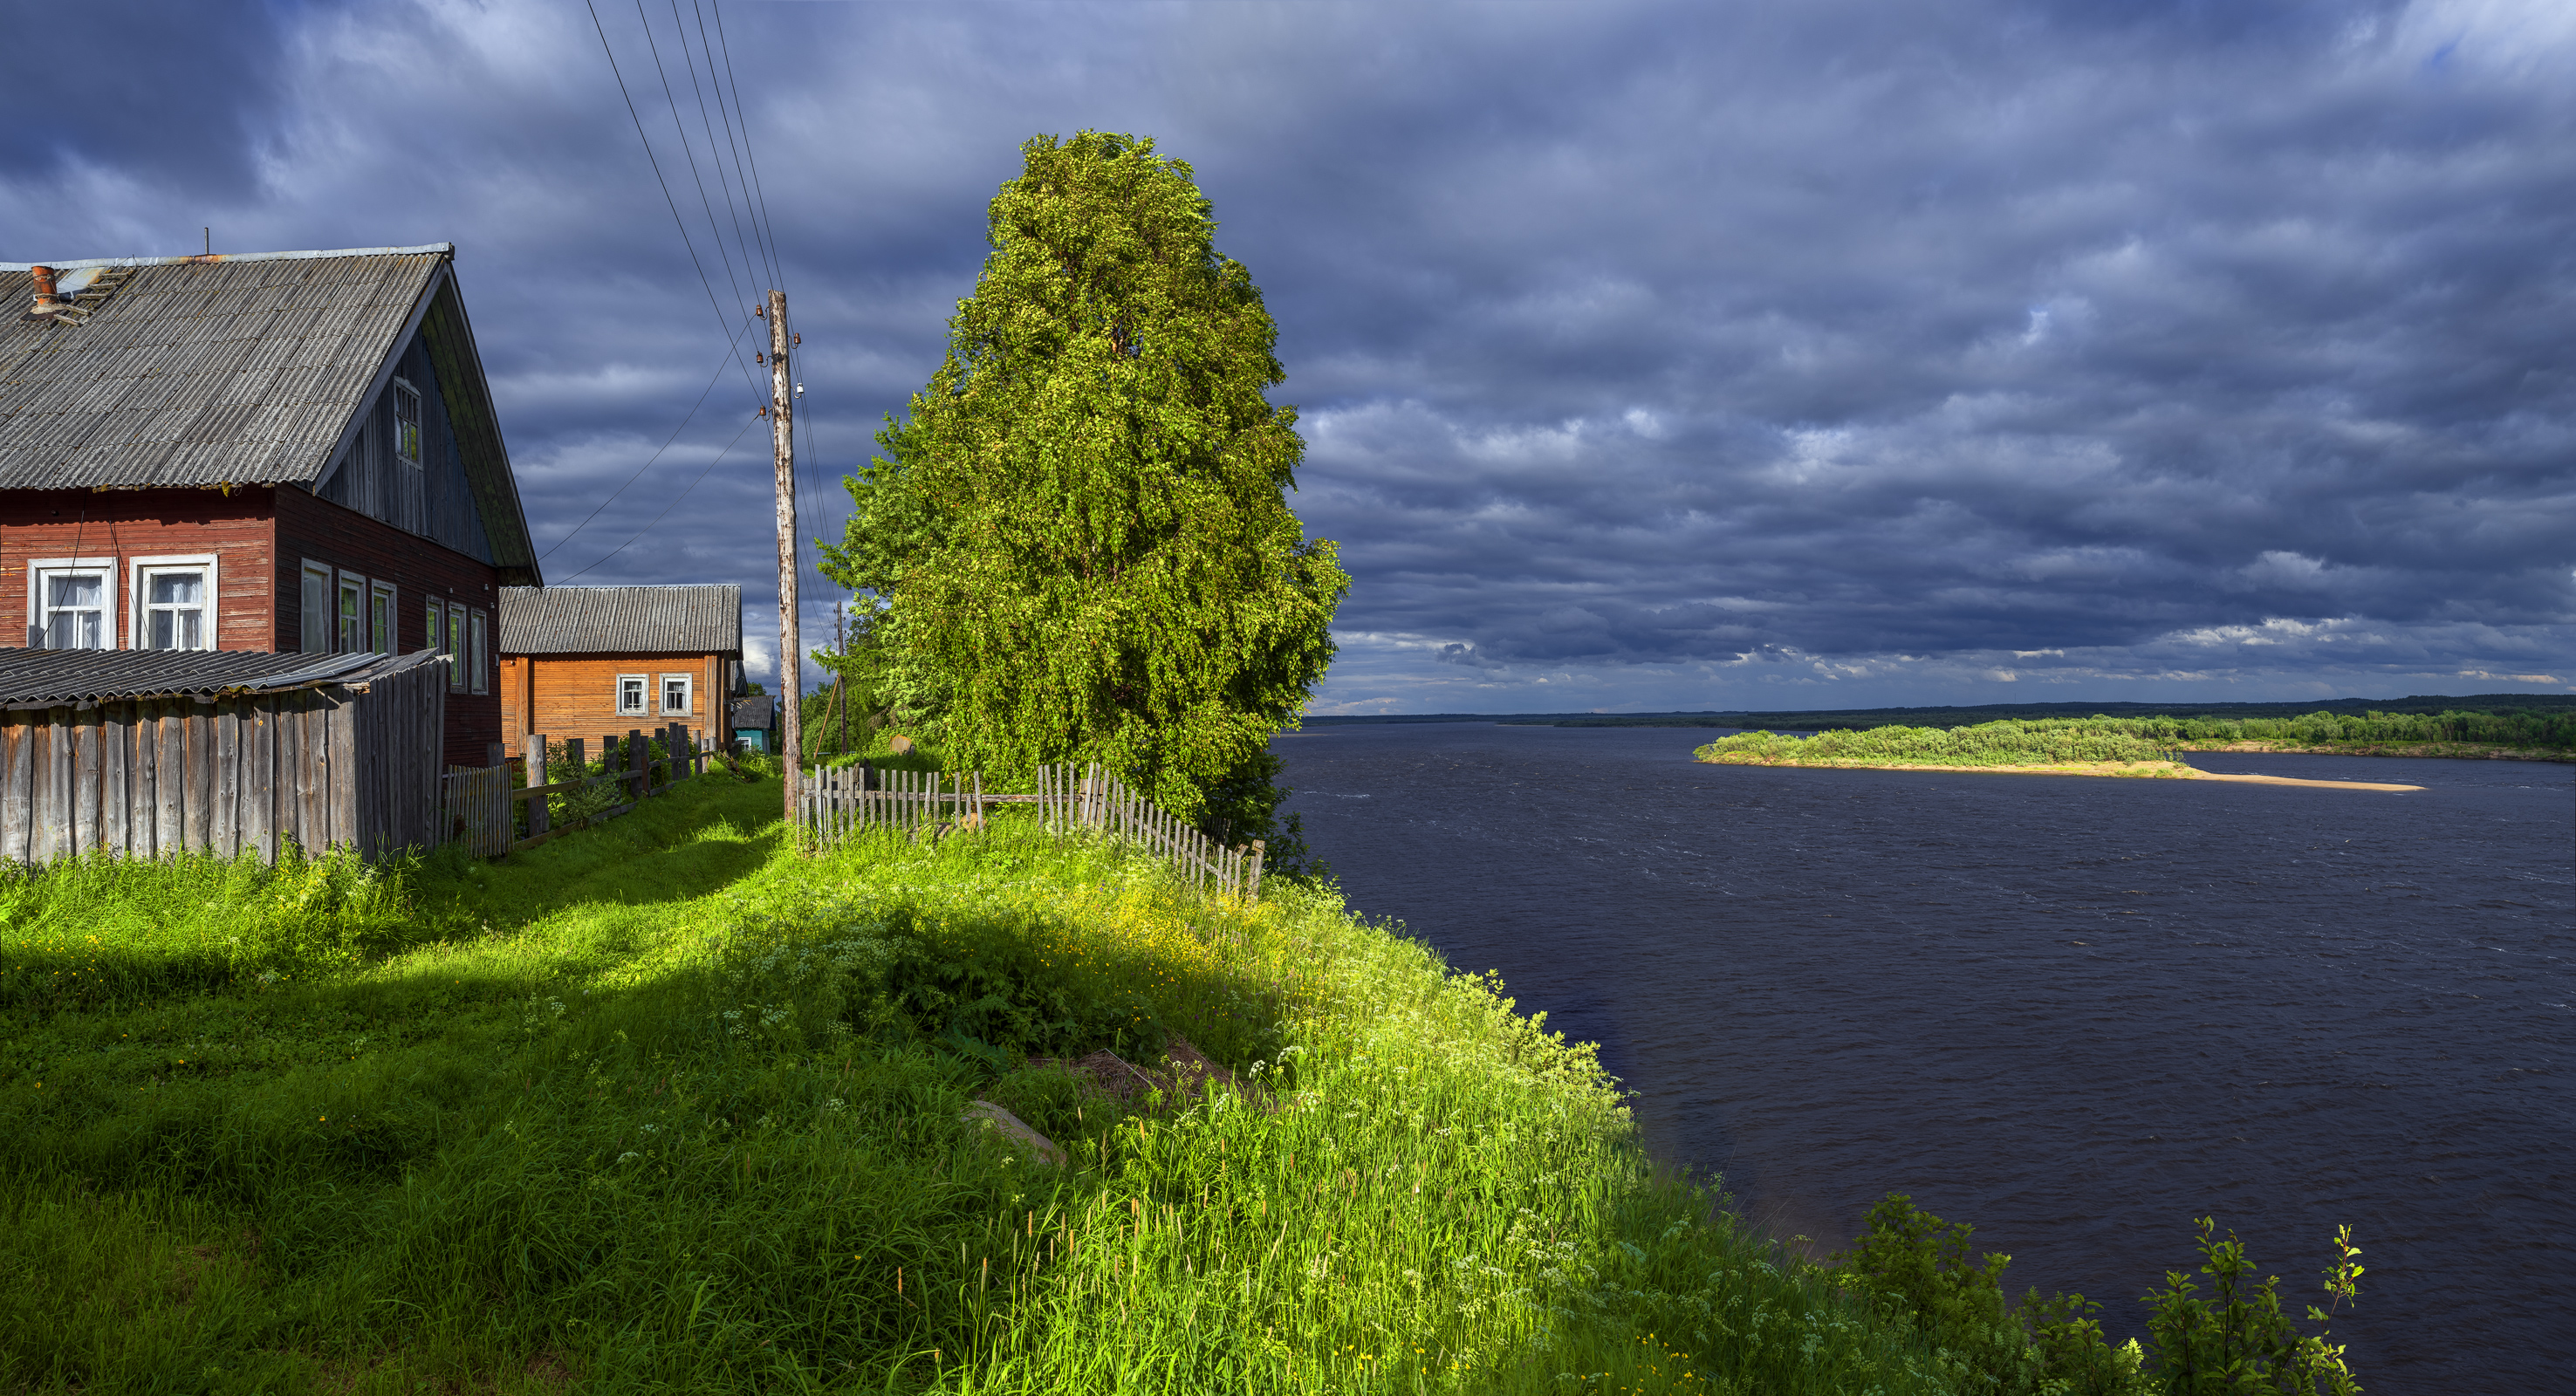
<point x="353" y="764"/>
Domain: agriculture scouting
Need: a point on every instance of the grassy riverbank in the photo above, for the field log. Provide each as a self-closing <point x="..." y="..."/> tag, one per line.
<point x="664" y="1106"/>
<point x="2115" y="746"/>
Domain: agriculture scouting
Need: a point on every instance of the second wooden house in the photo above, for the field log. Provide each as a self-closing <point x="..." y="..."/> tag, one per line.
<point x="589" y="661"/>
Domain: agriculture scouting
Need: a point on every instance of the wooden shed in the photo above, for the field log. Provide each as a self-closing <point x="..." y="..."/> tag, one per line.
<point x="218" y="751"/>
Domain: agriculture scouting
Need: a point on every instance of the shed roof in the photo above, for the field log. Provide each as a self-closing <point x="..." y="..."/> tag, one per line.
<point x="236" y="369"/>
<point x="32" y="678"/>
<point x="695" y="619"/>
<point x="754" y="712"/>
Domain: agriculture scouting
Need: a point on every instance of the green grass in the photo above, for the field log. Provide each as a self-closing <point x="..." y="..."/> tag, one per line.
<point x="664" y="1106"/>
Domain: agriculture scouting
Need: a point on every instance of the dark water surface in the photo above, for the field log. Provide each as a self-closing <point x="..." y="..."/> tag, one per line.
<point x="2074" y="1012"/>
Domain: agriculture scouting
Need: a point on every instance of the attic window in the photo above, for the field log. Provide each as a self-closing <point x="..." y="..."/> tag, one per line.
<point x="407" y="422"/>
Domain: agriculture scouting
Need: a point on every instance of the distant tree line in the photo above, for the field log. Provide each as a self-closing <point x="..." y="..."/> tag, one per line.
<point x="2038" y="740"/>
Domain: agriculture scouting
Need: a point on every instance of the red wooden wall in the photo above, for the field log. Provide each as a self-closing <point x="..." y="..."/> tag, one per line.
<point x="261" y="537"/>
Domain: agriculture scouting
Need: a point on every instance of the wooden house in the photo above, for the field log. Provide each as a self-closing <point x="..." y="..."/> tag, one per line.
<point x="755" y="723"/>
<point x="585" y="661"/>
<point x="284" y="451"/>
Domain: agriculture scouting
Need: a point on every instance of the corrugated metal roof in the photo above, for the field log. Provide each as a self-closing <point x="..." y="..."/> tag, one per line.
<point x="198" y="371"/>
<point x="702" y="619"/>
<point x="754" y="713"/>
<point x="55" y="678"/>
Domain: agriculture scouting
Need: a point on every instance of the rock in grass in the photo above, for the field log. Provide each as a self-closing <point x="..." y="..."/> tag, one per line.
<point x="1009" y="1127"/>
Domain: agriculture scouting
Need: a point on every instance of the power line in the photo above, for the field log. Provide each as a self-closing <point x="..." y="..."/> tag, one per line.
<point x="689" y="150"/>
<point x="657" y="455"/>
<point x="759" y="191"/>
<point x="649" y="157"/>
<point x="706" y="123"/>
<point x="674" y="504"/>
<point x="766" y="244"/>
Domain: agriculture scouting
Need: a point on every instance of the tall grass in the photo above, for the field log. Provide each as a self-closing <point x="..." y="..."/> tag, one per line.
<point x="667" y="1106"/>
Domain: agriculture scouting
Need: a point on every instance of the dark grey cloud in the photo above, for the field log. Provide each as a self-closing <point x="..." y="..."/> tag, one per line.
<point x="1650" y="355"/>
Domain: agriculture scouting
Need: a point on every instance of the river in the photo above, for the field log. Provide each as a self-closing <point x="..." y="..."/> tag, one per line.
<point x="2076" y="1013"/>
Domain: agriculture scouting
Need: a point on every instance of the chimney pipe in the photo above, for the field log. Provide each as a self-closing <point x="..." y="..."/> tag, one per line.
<point x="47" y="298"/>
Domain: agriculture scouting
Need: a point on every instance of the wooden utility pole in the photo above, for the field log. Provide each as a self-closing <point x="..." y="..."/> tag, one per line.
<point x="791" y="653"/>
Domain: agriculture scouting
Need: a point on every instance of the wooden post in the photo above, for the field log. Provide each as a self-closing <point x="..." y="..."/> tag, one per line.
<point x="635" y="761"/>
<point x="495" y="754"/>
<point x="791" y="653"/>
<point x="536" y="762"/>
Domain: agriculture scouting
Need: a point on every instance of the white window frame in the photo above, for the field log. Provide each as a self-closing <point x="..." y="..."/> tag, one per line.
<point x="643" y="695"/>
<point x="322" y="573"/>
<point x="455" y="644"/>
<point x="38" y="569"/>
<point x="138" y="575"/>
<point x="404" y="391"/>
<point x="384" y="595"/>
<point x="349" y="584"/>
<point x="688" y="695"/>
<point x="480" y="631"/>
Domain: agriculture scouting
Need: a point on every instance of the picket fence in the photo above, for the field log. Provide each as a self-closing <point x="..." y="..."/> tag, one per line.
<point x="841" y="802"/>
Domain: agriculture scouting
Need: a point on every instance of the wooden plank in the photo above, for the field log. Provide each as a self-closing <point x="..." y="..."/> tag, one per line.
<point x="341" y="706"/>
<point x="85" y="763"/>
<point x="313" y="774"/>
<point x="115" y="795"/>
<point x="169" y="776"/>
<point x="224" y="834"/>
<point x="197" y="748"/>
<point x="17" y="793"/>
<point x="286" y="714"/>
<point x="259" y="778"/>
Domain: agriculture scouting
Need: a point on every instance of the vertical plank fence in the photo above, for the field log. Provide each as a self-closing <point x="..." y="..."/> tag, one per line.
<point x="839" y="803"/>
<point x="233" y="768"/>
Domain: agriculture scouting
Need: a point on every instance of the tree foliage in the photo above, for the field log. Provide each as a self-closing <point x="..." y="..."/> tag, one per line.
<point x="1078" y="537"/>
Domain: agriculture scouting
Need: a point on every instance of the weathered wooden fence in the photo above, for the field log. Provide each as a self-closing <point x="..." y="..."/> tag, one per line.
<point x="841" y="802"/>
<point x="522" y="817"/>
<point x="352" y="759"/>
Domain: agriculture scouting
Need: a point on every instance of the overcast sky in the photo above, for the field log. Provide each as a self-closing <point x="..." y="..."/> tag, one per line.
<point x="1650" y="356"/>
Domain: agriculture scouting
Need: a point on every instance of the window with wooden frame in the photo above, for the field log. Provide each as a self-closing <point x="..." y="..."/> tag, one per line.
<point x="631" y="695"/>
<point x="351" y="612"/>
<point x="675" y="695"/>
<point x="482" y="656"/>
<point x="174" y="602"/>
<point x="434" y="616"/>
<point x="455" y="644"/>
<point x="381" y="617"/>
<point x="407" y="423"/>
<point x="71" y="603"/>
<point x="317" y="607"/>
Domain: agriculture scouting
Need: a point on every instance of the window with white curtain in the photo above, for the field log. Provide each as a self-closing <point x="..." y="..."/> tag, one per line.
<point x="631" y="695"/>
<point x="71" y="603"/>
<point x="675" y="695"/>
<point x="174" y="602"/>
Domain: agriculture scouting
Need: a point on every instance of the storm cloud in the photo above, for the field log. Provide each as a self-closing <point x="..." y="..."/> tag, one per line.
<point x="1649" y="356"/>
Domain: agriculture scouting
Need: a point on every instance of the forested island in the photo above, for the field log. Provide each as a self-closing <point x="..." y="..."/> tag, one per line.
<point x="2152" y="747"/>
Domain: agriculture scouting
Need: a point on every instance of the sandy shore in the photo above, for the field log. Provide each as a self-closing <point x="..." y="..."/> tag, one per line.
<point x="2142" y="770"/>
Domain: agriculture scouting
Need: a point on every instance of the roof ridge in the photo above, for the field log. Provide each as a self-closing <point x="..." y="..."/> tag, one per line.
<point x="447" y="248"/>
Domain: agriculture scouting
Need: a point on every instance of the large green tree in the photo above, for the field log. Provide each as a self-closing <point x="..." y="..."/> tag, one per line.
<point x="1078" y="538"/>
